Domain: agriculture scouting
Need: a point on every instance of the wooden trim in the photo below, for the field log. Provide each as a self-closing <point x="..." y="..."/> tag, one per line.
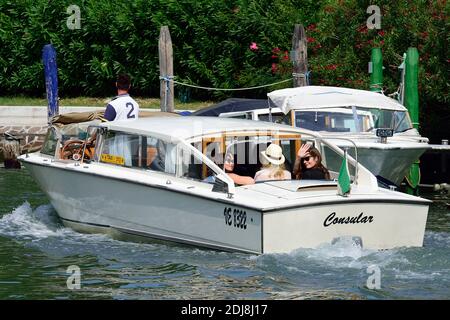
<point x="205" y="143"/>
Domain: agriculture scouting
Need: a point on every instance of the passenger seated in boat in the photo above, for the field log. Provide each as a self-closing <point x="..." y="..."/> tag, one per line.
<point x="229" y="169"/>
<point x="308" y="164"/>
<point x="273" y="165"/>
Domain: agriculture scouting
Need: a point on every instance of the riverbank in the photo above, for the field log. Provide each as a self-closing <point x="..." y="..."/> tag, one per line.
<point x="151" y="103"/>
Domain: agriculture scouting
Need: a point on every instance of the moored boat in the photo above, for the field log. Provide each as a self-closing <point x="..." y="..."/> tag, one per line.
<point x="379" y="126"/>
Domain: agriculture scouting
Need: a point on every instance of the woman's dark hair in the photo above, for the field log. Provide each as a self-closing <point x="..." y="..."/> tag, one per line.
<point x="313" y="152"/>
<point x="123" y="82"/>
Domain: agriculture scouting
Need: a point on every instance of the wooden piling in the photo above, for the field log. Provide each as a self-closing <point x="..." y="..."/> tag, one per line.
<point x="166" y="70"/>
<point x="11" y="150"/>
<point x="299" y="56"/>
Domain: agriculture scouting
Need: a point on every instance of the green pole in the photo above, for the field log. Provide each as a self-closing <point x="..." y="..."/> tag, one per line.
<point x="412" y="104"/>
<point x="411" y="85"/>
<point x="376" y="77"/>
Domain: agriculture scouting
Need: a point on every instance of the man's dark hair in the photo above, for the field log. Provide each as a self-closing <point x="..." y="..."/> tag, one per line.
<point x="123" y="82"/>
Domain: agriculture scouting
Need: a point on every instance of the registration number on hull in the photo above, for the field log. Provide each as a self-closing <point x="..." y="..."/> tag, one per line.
<point x="235" y="217"/>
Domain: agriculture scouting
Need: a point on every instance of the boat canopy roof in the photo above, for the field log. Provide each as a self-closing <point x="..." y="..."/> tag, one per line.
<point x="313" y="97"/>
<point x="185" y="128"/>
<point x="231" y="105"/>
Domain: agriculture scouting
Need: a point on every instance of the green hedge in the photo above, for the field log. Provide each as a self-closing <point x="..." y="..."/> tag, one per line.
<point x="212" y="39"/>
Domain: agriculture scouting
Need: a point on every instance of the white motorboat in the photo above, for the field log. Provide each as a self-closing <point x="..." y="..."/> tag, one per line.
<point x="353" y="114"/>
<point x="147" y="178"/>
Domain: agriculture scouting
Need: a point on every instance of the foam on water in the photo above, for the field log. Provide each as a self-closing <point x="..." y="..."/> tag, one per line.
<point x="24" y="223"/>
<point x="405" y="272"/>
<point x="330" y="271"/>
<point x="42" y="227"/>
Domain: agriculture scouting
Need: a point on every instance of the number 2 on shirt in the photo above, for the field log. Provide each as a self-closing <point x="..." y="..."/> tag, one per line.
<point x="129" y="115"/>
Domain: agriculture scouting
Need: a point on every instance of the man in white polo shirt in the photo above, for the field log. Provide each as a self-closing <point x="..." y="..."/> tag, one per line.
<point x="123" y="106"/>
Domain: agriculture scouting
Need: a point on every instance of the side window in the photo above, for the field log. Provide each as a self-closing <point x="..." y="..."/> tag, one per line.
<point x="276" y="118"/>
<point x="192" y="167"/>
<point x="50" y="143"/>
<point x="160" y="155"/>
<point x="120" y="149"/>
<point x="333" y="161"/>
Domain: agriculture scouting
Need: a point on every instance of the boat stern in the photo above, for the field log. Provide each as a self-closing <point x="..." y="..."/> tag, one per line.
<point x="376" y="225"/>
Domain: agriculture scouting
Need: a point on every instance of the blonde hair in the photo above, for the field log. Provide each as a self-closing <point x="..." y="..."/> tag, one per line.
<point x="278" y="170"/>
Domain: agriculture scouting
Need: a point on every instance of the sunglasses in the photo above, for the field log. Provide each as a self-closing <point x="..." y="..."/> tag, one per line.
<point x="307" y="158"/>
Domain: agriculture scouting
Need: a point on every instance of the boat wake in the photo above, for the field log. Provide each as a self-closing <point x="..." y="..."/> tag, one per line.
<point x="41" y="228"/>
<point x="28" y="224"/>
<point x="404" y="272"/>
<point x="339" y="270"/>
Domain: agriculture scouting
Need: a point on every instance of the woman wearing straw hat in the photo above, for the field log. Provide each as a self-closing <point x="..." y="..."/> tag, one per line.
<point x="273" y="165"/>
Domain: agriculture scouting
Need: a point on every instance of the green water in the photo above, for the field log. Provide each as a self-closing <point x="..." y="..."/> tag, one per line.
<point x="36" y="250"/>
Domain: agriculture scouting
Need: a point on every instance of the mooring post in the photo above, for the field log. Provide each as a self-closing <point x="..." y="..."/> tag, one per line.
<point x="166" y="70"/>
<point x="376" y="70"/>
<point x="412" y="104"/>
<point x="51" y="80"/>
<point x="299" y="56"/>
<point x="11" y="150"/>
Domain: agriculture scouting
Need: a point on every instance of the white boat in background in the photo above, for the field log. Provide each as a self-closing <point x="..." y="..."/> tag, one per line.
<point x="146" y="178"/>
<point x="364" y="117"/>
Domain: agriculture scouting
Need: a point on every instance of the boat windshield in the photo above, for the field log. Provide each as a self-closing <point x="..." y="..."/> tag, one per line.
<point x="352" y="119"/>
<point x="277" y="117"/>
<point x="67" y="142"/>
<point x="334" y="120"/>
<point x="397" y="120"/>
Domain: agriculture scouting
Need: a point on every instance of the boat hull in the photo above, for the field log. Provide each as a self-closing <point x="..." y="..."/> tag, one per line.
<point x="376" y="225"/>
<point x="93" y="203"/>
<point x="392" y="164"/>
<point x="388" y="161"/>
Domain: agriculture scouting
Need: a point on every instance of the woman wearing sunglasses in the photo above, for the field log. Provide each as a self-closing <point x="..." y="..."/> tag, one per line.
<point x="308" y="164"/>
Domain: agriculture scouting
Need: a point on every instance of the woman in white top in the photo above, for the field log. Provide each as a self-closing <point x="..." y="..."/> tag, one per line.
<point x="273" y="165"/>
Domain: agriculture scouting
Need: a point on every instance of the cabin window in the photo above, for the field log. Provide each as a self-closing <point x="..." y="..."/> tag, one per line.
<point x="121" y="149"/>
<point x="333" y="161"/>
<point x="397" y="120"/>
<point x="239" y="116"/>
<point x="338" y="120"/>
<point x="50" y="143"/>
<point x="136" y="151"/>
<point x="159" y="155"/>
<point x="276" y="118"/>
<point x="192" y="167"/>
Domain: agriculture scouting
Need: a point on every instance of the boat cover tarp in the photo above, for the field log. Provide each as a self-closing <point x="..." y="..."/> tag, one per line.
<point x="314" y="97"/>
<point x="231" y="105"/>
<point x="77" y="117"/>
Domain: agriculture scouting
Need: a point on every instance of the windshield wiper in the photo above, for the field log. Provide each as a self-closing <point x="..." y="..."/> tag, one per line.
<point x="404" y="130"/>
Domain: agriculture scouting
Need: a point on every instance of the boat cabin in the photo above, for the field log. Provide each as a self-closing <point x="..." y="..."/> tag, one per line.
<point x="193" y="148"/>
<point x="327" y="109"/>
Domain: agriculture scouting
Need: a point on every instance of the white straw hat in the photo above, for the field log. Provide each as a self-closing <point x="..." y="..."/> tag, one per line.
<point x="273" y="154"/>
